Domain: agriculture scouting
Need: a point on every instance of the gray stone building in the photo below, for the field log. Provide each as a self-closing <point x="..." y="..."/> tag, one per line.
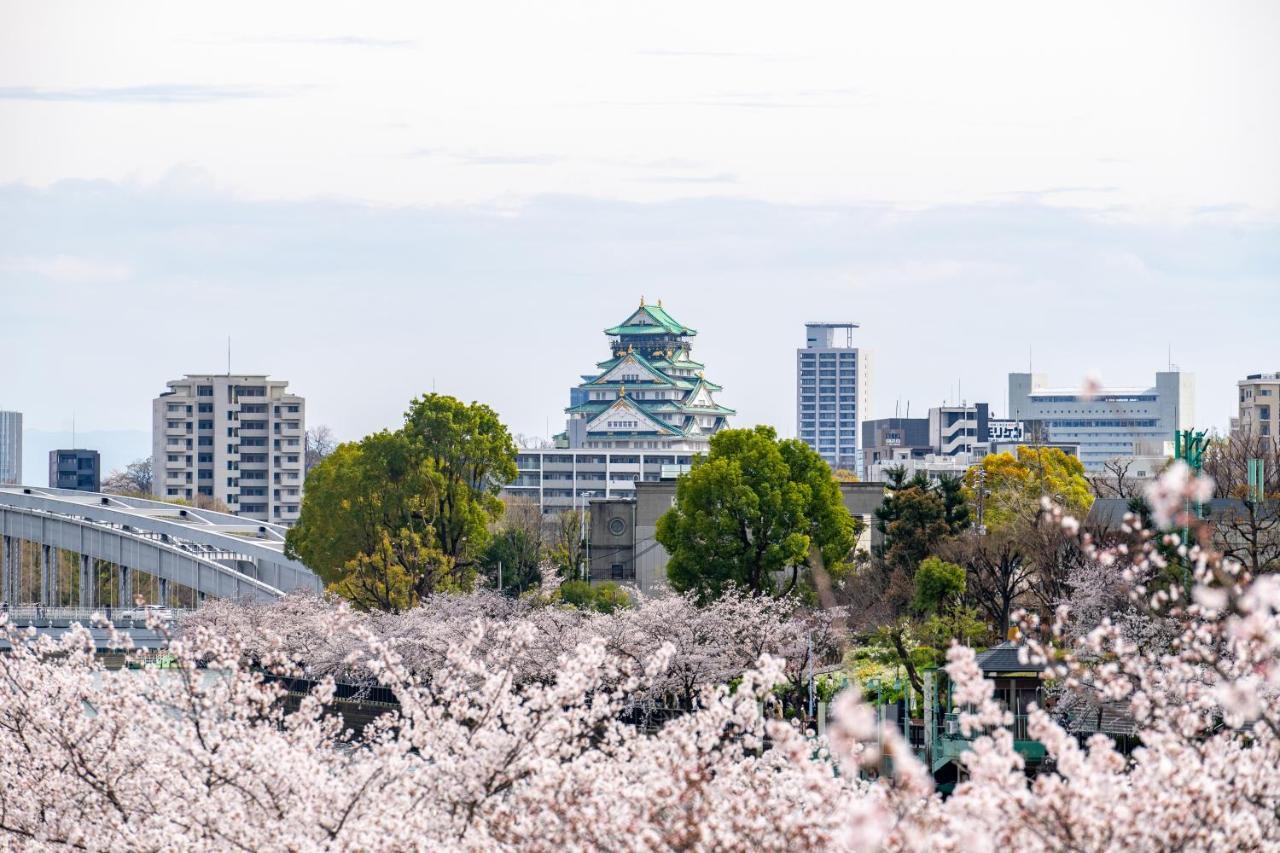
<point x="623" y="544"/>
<point x="77" y="469"/>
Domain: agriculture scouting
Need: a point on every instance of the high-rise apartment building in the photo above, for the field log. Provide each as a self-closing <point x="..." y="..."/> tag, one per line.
<point x="1110" y="423"/>
<point x="236" y="438"/>
<point x="1259" y="415"/>
<point x="10" y="448"/>
<point x="832" y="393"/>
<point x="76" y="469"/>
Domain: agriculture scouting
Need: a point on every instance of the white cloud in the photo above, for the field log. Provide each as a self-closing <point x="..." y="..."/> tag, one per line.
<point x="68" y="269"/>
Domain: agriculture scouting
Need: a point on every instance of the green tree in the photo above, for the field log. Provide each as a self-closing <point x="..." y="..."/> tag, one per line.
<point x="400" y="569"/>
<point x="912" y="520"/>
<point x="512" y="556"/>
<point x="937" y="583"/>
<point x="1010" y="487"/>
<point x="474" y="456"/>
<point x="606" y="597"/>
<point x="752" y="510"/>
<point x="400" y="515"/>
<point x="360" y="491"/>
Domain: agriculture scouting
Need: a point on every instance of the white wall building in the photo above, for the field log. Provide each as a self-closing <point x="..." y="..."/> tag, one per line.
<point x="1114" y="423"/>
<point x="10" y="448"/>
<point x="237" y="438"/>
<point x="1259" y="414"/>
<point x="833" y="391"/>
<point x="559" y="479"/>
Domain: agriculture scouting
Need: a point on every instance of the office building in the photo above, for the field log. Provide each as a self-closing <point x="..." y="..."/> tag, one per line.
<point x="1111" y="423"/>
<point x="10" y="448"/>
<point x="884" y="439"/>
<point x="832" y="393"/>
<point x="76" y="469"/>
<point x="234" y="438"/>
<point x="1259" y="413"/>
<point x="957" y="429"/>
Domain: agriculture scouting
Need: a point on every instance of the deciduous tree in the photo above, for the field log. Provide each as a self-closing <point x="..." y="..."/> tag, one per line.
<point x="756" y="513"/>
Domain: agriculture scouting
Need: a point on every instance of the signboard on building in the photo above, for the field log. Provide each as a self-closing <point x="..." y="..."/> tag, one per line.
<point x="1005" y="430"/>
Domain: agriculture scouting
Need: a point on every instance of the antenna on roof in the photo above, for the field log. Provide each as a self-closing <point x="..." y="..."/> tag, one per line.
<point x="73" y="429"/>
<point x="228" y="355"/>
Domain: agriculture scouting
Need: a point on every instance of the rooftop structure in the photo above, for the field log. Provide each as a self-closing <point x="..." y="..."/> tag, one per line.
<point x="75" y="469"/>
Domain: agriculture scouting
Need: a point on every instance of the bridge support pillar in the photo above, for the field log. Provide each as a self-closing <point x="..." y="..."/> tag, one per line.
<point x="13" y="561"/>
<point x="164" y="592"/>
<point x="6" y="569"/>
<point x="46" y="576"/>
<point x="86" y="589"/>
<point x="126" y="586"/>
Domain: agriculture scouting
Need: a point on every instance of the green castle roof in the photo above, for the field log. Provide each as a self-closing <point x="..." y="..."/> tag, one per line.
<point x="660" y="323"/>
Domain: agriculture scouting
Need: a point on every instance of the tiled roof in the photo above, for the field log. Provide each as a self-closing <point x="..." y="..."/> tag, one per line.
<point x="1004" y="658"/>
<point x="662" y="324"/>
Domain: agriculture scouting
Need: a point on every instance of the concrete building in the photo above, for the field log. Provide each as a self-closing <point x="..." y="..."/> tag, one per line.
<point x="888" y="438"/>
<point x="76" y="469"/>
<point x="1259" y="413"/>
<point x="833" y="379"/>
<point x="560" y="479"/>
<point x="1114" y="423"/>
<point x="935" y="466"/>
<point x="10" y="448"/>
<point x="236" y="438"/>
<point x="623" y="545"/>
<point x="957" y="429"/>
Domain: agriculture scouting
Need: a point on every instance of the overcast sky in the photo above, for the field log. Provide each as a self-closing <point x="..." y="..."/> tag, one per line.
<point x="373" y="200"/>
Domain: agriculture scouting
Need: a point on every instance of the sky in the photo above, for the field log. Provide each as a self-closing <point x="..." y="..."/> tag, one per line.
<point x="379" y="200"/>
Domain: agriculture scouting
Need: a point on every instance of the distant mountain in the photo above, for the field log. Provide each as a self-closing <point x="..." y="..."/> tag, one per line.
<point x="118" y="449"/>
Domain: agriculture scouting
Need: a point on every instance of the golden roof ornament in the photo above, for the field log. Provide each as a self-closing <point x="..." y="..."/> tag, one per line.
<point x="622" y="391"/>
<point x="642" y="300"/>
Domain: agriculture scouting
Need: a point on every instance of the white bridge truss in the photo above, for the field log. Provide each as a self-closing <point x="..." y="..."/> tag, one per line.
<point x="212" y="553"/>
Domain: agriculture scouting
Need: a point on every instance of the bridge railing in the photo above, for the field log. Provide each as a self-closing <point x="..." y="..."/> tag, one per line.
<point x="39" y="616"/>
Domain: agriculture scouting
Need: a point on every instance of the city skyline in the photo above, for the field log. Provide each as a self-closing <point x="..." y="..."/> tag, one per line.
<point x="344" y="196"/>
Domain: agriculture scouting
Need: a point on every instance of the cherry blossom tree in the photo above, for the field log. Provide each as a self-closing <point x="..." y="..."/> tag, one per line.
<point x="511" y="728"/>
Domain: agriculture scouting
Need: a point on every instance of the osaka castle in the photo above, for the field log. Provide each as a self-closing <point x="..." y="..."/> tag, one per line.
<point x="649" y="394"/>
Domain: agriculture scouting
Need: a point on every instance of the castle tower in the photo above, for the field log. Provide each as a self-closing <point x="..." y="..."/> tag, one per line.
<point x="650" y="395"/>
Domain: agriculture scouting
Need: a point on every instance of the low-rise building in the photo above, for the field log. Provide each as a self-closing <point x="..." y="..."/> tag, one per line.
<point x="562" y="478"/>
<point x="77" y="469"/>
<point x="623" y="544"/>
<point x="890" y="438"/>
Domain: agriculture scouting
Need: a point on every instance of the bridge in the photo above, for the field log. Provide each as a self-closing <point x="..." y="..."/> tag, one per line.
<point x="64" y="548"/>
